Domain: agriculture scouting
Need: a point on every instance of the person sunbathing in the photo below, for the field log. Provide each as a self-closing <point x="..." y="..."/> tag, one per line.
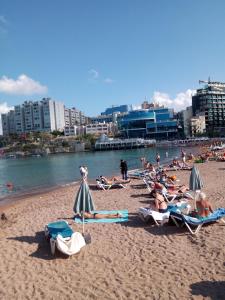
<point x="113" y="180"/>
<point x="89" y="215"/>
<point x="160" y="203"/>
<point x="171" y="190"/>
<point x="203" y="207"/>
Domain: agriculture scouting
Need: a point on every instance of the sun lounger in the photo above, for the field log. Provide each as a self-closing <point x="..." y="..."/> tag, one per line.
<point x="137" y="173"/>
<point x="63" y="238"/>
<point x="147" y="214"/>
<point x="104" y="186"/>
<point x="191" y="222"/>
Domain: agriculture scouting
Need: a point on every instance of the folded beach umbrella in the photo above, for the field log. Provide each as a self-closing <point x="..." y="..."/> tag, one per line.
<point x="83" y="201"/>
<point x="195" y="181"/>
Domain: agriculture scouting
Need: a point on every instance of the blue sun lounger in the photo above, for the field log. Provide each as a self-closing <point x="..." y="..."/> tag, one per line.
<point x="147" y="214"/>
<point x="191" y="222"/>
<point x="63" y="238"/>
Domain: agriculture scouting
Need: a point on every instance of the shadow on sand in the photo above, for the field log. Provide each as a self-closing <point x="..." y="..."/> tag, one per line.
<point x="138" y="186"/>
<point x="147" y="195"/>
<point x="43" y="249"/>
<point x="213" y="289"/>
<point x="167" y="229"/>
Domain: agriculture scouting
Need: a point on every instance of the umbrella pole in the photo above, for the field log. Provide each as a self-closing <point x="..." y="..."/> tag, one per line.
<point x="83" y="224"/>
<point x="195" y="201"/>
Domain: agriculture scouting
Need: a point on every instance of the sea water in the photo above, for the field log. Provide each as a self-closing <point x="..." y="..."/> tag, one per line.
<point x="36" y="173"/>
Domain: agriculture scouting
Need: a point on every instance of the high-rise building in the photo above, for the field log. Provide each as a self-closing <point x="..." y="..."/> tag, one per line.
<point x="44" y="115"/>
<point x="210" y="100"/>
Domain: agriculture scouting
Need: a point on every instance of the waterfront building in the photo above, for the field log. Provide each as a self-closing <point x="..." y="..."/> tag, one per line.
<point x="74" y="130"/>
<point x="210" y="100"/>
<point x="116" y="109"/>
<point x="99" y="128"/>
<point x="197" y="125"/>
<point x="156" y="123"/>
<point x="45" y="115"/>
<point x="105" y="143"/>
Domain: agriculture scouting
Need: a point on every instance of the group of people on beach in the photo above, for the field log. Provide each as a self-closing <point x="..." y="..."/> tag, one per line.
<point x="160" y="183"/>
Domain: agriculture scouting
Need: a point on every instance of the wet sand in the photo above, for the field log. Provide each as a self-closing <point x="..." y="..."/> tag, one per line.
<point x="124" y="261"/>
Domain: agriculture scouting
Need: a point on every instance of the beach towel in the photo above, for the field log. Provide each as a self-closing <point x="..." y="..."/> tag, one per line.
<point x="124" y="218"/>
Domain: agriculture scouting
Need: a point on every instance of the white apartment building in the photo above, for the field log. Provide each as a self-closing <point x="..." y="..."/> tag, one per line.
<point x="44" y="115"/>
<point x="74" y="116"/>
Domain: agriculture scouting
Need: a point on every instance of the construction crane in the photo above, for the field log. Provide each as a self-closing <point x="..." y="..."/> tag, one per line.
<point x="205" y="81"/>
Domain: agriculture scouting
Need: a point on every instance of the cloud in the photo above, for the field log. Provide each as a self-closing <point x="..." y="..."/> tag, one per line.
<point x="181" y="101"/>
<point x="108" y="80"/>
<point x="93" y="74"/>
<point x="3" y="20"/>
<point x="4" y="108"/>
<point x="23" y="85"/>
<point x="3" y="24"/>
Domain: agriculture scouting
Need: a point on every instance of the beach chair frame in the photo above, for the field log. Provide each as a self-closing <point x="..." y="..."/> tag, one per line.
<point x="179" y="217"/>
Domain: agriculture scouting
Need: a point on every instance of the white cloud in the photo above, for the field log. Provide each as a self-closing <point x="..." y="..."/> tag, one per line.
<point x="108" y="80"/>
<point x="3" y="24"/>
<point x="23" y="85"/>
<point x="3" y="20"/>
<point x="181" y="101"/>
<point x="93" y="73"/>
<point x="4" y="108"/>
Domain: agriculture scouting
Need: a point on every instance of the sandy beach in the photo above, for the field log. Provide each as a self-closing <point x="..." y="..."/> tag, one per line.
<point x="124" y="260"/>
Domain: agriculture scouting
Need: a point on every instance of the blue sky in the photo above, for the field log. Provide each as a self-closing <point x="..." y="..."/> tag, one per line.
<point x="93" y="54"/>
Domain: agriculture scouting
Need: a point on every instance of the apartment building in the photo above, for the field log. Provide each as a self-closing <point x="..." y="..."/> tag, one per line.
<point x="44" y="115"/>
<point x="210" y="100"/>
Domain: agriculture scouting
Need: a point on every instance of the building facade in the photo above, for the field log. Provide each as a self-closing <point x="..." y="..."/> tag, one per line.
<point x="73" y="117"/>
<point x="197" y="125"/>
<point x="155" y="123"/>
<point x="116" y="109"/>
<point x="185" y="121"/>
<point x="45" y="115"/>
<point x="210" y="100"/>
<point x="99" y="128"/>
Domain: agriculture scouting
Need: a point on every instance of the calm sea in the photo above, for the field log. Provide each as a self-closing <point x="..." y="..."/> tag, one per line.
<point x="36" y="173"/>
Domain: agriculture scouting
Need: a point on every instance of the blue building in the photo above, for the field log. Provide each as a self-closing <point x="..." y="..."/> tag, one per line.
<point x="156" y="123"/>
<point x="116" y="109"/>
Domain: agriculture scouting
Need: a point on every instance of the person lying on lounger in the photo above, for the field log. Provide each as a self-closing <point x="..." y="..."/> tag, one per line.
<point x="171" y="190"/>
<point x="203" y="207"/>
<point x="160" y="203"/>
<point x="112" y="180"/>
<point x="89" y="215"/>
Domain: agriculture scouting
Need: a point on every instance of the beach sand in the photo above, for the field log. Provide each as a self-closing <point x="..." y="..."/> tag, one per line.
<point x="124" y="260"/>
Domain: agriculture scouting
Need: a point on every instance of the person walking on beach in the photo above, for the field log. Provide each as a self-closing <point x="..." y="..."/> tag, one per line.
<point x="123" y="169"/>
<point x="183" y="158"/>
<point x="157" y="159"/>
